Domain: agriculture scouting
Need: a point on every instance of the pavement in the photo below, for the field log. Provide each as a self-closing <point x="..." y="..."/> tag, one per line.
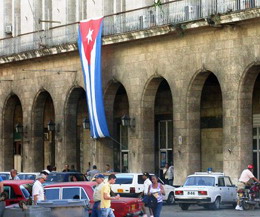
<point x="197" y="211"/>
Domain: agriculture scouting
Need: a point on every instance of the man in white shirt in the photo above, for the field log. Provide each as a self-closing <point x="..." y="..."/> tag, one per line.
<point x="147" y="183"/>
<point x="13" y="174"/>
<point x="243" y="181"/>
<point x="38" y="190"/>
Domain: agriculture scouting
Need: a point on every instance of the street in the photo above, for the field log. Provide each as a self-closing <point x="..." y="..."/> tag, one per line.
<point x="196" y="211"/>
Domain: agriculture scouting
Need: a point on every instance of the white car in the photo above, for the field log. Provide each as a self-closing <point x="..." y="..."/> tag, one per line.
<point x="209" y="189"/>
<point x="132" y="184"/>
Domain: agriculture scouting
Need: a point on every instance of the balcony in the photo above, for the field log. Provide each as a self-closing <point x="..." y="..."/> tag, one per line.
<point x="63" y="38"/>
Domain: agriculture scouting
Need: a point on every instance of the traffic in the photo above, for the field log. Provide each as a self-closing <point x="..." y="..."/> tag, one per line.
<point x="129" y="193"/>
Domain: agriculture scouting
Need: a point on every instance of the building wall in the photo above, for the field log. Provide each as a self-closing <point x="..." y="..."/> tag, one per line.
<point x="231" y="53"/>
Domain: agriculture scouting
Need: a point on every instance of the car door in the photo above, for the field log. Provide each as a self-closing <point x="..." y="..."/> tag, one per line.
<point x="222" y="189"/>
<point x="13" y="198"/>
<point x="231" y="190"/>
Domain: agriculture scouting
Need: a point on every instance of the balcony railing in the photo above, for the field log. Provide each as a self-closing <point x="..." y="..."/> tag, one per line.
<point x="173" y="12"/>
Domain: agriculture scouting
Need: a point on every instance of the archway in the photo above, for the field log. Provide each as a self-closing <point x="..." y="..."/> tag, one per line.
<point x="211" y="124"/>
<point x="157" y="124"/>
<point x="120" y="133"/>
<point x="43" y="136"/>
<point x="205" y="123"/>
<point x="13" y="138"/>
<point x="76" y="137"/>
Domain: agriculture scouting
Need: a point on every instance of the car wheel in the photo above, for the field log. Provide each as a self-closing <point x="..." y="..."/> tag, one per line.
<point x="247" y="206"/>
<point x="171" y="199"/>
<point x="216" y="204"/>
<point x="184" y="206"/>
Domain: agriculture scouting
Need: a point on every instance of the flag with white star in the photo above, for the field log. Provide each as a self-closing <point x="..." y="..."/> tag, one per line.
<point x="89" y="44"/>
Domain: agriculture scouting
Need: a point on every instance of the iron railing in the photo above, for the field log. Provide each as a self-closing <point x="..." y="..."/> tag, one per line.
<point x="173" y="12"/>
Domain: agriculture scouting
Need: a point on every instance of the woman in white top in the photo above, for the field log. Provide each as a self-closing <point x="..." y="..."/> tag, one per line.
<point x="157" y="190"/>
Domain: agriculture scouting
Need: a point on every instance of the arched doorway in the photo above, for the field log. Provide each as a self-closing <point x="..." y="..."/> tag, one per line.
<point x="205" y="123"/>
<point x="78" y="152"/>
<point x="12" y="133"/>
<point x="120" y="133"/>
<point x="163" y="110"/>
<point x="211" y="124"/>
<point x="256" y="127"/>
<point x="43" y="134"/>
<point x="157" y="125"/>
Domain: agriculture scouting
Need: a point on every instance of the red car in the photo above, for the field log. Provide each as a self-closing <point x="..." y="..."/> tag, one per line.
<point x="17" y="190"/>
<point x="84" y="190"/>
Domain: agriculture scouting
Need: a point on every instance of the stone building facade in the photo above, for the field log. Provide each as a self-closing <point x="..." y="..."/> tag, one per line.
<point x="192" y="88"/>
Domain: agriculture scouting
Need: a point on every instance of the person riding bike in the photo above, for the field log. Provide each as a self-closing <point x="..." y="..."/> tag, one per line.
<point x="243" y="181"/>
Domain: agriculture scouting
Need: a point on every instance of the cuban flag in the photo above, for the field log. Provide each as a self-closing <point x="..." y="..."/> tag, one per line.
<point x="89" y="44"/>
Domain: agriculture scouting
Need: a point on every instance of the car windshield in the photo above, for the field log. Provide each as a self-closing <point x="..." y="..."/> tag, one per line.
<point x="4" y="176"/>
<point x="26" y="176"/>
<point x="56" y="177"/>
<point x="124" y="179"/>
<point x="199" y="181"/>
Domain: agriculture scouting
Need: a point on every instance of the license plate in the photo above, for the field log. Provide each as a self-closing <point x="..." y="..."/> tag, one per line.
<point x="191" y="193"/>
<point x="133" y="206"/>
<point x="120" y="190"/>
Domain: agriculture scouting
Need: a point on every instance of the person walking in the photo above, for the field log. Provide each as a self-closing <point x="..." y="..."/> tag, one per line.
<point x="243" y="181"/>
<point x="97" y="195"/>
<point x="168" y="174"/>
<point x="37" y="189"/>
<point x="147" y="183"/>
<point x="90" y="174"/>
<point x="105" y="204"/>
<point x="156" y="190"/>
<point x="13" y="174"/>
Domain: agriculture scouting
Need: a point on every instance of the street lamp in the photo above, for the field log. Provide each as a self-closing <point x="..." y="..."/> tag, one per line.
<point x="19" y="128"/>
<point x="51" y="126"/>
<point x="86" y="123"/>
<point x="127" y="121"/>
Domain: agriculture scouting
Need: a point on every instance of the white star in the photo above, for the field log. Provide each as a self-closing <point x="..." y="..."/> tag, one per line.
<point x="89" y="36"/>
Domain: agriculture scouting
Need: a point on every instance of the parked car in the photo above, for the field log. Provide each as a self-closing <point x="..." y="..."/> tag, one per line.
<point x="54" y="177"/>
<point x="206" y="189"/>
<point x="27" y="176"/>
<point x="85" y="190"/>
<point x="132" y="184"/>
<point x="5" y="175"/>
<point x="17" y="190"/>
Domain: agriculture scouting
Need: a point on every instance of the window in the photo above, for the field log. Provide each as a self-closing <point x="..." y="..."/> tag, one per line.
<point x="228" y="181"/>
<point x="256" y="151"/>
<point x="10" y="191"/>
<point x="140" y="179"/>
<point x="124" y="179"/>
<point x="83" y="195"/>
<point x="221" y="182"/>
<point x="70" y="193"/>
<point x="52" y="193"/>
<point x="165" y="134"/>
<point x="200" y="181"/>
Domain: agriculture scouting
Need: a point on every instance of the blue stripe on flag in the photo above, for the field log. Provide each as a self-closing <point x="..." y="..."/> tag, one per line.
<point x="93" y="86"/>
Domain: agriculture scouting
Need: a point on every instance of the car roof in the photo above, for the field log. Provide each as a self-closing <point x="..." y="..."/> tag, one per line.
<point x="71" y="184"/>
<point x="24" y="173"/>
<point x="18" y="182"/>
<point x="131" y="174"/>
<point x="65" y="173"/>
